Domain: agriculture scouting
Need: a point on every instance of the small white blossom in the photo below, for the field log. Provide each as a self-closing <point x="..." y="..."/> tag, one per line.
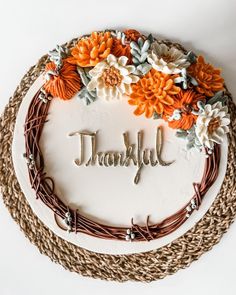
<point x="168" y="60"/>
<point x="212" y="124"/>
<point x="112" y="78"/>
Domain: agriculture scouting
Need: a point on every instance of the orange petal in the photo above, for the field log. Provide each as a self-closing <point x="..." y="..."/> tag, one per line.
<point x="140" y="110"/>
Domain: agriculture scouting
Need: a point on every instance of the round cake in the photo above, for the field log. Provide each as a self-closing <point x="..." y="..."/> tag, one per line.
<point x="122" y="139"/>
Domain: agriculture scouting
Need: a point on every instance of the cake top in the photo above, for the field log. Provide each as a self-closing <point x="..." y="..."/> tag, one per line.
<point x="160" y="80"/>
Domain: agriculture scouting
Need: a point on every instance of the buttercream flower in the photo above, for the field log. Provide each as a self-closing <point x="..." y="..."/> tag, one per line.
<point x="168" y="60"/>
<point x="121" y="49"/>
<point x="112" y="77"/>
<point x="153" y="93"/>
<point x="208" y="78"/>
<point x="62" y="82"/>
<point x="89" y="51"/>
<point x="212" y="124"/>
<point x="182" y="113"/>
<point x="132" y="35"/>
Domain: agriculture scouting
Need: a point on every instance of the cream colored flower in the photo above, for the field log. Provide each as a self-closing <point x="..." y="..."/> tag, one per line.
<point x="211" y="124"/>
<point x="168" y="60"/>
<point x="112" y="78"/>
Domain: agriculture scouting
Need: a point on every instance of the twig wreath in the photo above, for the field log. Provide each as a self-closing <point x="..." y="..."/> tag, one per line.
<point x="161" y="81"/>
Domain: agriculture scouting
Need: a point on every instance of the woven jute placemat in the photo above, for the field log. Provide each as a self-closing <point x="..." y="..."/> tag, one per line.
<point x="146" y="267"/>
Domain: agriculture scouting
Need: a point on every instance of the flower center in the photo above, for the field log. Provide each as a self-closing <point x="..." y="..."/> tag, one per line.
<point x="167" y="58"/>
<point x="111" y="77"/>
<point x="213" y="125"/>
<point x="186" y="108"/>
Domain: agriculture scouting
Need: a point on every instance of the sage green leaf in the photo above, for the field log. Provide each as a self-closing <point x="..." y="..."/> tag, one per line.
<point x="87" y="96"/>
<point x="156" y="116"/>
<point x="140" y="42"/>
<point x="134" y="52"/>
<point x="135" y="46"/>
<point x="146" y="46"/>
<point x="191" y="57"/>
<point x="135" y="60"/>
<point x="139" y="52"/>
<point x="219" y="96"/>
<point x="150" y="38"/>
<point x="143" y="57"/>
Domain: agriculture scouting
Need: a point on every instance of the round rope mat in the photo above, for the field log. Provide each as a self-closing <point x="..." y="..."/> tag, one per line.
<point x="146" y="266"/>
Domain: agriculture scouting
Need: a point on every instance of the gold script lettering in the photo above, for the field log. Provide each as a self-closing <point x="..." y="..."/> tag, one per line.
<point x="131" y="156"/>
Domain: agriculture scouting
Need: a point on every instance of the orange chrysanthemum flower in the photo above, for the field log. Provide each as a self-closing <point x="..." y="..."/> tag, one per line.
<point x="132" y="35"/>
<point x="91" y="50"/>
<point x="63" y="84"/>
<point x="119" y="49"/>
<point x="153" y="93"/>
<point x="185" y="102"/>
<point x="208" y="78"/>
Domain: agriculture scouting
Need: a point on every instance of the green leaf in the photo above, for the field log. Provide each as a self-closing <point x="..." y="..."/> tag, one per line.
<point x="156" y="116"/>
<point x="140" y="42"/>
<point x="146" y="46"/>
<point x="134" y="46"/>
<point x="191" y="57"/>
<point x="150" y="38"/>
<point x="219" y="96"/>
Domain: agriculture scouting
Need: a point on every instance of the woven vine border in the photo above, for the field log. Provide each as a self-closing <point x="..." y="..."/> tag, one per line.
<point x="146" y="267"/>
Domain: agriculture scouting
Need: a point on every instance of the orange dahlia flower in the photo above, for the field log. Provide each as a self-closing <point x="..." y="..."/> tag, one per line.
<point x="119" y="49"/>
<point x="208" y="78"/>
<point x="185" y="102"/>
<point x="132" y="35"/>
<point x="91" y="50"/>
<point x="63" y="84"/>
<point x="153" y="93"/>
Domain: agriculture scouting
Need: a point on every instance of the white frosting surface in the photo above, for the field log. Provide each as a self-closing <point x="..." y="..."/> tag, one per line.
<point x="109" y="195"/>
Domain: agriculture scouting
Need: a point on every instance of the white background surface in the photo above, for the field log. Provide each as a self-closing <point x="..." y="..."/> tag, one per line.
<point x="28" y="30"/>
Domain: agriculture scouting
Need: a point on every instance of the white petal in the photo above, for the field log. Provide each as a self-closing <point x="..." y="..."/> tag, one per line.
<point x="123" y="70"/>
<point x="207" y="108"/>
<point x="128" y="89"/>
<point x="163" y="49"/>
<point x="127" y="80"/>
<point x="100" y="84"/>
<point x="225" y="121"/>
<point x="92" y="84"/>
<point x="134" y="78"/>
<point x="111" y="58"/>
<point x="217" y="105"/>
<point x="216" y="138"/>
<point x="150" y="59"/>
<point x="107" y="91"/>
<point x="130" y="68"/>
<point x="162" y="62"/>
<point x="123" y="60"/>
<point x="98" y="69"/>
<point x="225" y="128"/>
<point x="166" y="70"/>
<point x="100" y="93"/>
<point x="219" y="131"/>
<point x="122" y="87"/>
<point x="210" y="144"/>
<point x="221" y="114"/>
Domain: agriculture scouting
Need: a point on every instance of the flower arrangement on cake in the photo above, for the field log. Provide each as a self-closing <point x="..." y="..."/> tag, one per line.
<point x="159" y="80"/>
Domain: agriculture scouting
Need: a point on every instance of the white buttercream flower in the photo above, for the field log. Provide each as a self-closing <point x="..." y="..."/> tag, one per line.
<point x="211" y="124"/>
<point x="168" y="60"/>
<point x="112" y="78"/>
